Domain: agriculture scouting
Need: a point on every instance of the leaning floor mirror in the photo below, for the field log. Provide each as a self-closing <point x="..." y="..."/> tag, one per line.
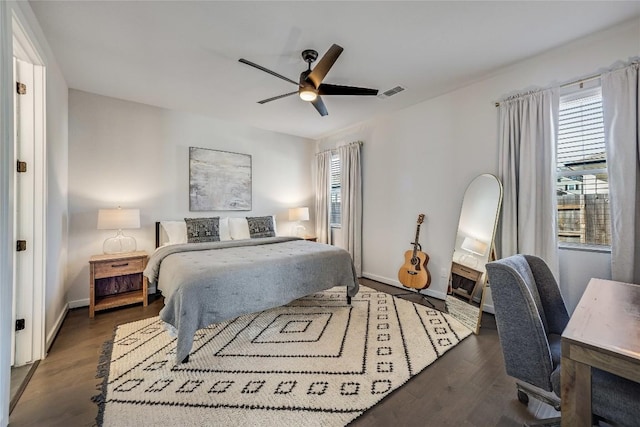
<point x="474" y="247"/>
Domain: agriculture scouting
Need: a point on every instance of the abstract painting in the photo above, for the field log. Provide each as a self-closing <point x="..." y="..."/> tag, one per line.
<point x="219" y="180"/>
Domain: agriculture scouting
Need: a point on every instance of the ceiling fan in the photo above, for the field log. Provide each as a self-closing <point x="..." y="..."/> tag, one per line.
<point x="310" y="86"/>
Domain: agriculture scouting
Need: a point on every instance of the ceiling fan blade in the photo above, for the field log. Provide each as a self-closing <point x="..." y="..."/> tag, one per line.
<point x="324" y="65"/>
<point x="326" y="89"/>
<point x="264" y="101"/>
<point x="266" y="70"/>
<point x="320" y="106"/>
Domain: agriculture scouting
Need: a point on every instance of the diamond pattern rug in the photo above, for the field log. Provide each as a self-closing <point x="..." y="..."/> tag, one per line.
<point x="314" y="362"/>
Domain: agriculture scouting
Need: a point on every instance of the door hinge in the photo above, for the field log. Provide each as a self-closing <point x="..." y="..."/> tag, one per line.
<point x="21" y="245"/>
<point x="20" y="324"/>
<point x="22" y="166"/>
<point x="21" y="88"/>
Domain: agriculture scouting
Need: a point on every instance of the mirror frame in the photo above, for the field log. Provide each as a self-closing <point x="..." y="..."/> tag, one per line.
<point x="490" y="254"/>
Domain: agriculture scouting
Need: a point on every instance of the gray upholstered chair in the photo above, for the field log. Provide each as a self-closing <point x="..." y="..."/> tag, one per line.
<point x="530" y="316"/>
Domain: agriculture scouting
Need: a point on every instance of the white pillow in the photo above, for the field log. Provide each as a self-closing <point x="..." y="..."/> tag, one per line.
<point x="239" y="228"/>
<point x="176" y="232"/>
<point x="224" y="229"/>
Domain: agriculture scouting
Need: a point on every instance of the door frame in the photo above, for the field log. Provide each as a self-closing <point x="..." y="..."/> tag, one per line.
<point x="6" y="207"/>
<point x="34" y="347"/>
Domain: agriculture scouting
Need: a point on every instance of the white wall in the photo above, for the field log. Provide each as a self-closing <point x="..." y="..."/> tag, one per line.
<point x="135" y="155"/>
<point x="577" y="267"/>
<point x="57" y="184"/>
<point x="421" y="159"/>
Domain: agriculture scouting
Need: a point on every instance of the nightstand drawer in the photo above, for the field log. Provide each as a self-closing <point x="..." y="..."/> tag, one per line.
<point x="463" y="271"/>
<point x="118" y="268"/>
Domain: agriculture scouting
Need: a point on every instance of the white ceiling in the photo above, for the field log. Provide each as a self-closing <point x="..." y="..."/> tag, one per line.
<point x="184" y="55"/>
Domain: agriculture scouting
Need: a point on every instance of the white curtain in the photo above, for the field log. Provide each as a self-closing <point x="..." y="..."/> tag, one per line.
<point x="621" y="107"/>
<point x="323" y="205"/>
<point x="351" y="202"/>
<point x="527" y="168"/>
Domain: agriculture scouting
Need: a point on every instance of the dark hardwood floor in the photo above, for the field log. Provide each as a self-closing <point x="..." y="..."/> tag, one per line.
<point x="467" y="386"/>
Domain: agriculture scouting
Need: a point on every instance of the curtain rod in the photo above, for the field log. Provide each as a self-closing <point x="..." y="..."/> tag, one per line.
<point x="580" y="82"/>
<point x="360" y="143"/>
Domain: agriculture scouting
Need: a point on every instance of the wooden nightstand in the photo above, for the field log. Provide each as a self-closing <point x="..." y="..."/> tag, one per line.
<point x="311" y="238"/>
<point x="468" y="273"/>
<point x="117" y="280"/>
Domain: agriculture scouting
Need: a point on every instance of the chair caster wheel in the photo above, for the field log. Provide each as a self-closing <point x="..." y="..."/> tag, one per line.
<point x="523" y="397"/>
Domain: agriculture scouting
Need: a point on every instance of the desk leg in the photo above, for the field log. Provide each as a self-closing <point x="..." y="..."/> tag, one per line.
<point x="575" y="380"/>
<point x="145" y="291"/>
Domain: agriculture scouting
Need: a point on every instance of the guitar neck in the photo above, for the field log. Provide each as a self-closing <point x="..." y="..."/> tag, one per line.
<point x="415" y="242"/>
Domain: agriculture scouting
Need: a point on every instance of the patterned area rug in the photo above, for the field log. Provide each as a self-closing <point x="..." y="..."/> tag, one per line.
<point x="463" y="311"/>
<point x="314" y="362"/>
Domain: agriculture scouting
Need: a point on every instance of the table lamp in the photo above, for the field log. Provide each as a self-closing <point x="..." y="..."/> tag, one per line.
<point x="118" y="219"/>
<point x="474" y="247"/>
<point x="298" y="215"/>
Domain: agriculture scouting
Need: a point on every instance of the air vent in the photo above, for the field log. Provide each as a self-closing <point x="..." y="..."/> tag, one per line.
<point x="390" y="92"/>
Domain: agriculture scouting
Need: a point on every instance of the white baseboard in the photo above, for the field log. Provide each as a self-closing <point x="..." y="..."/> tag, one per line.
<point x="381" y="279"/>
<point x="56" y="327"/>
<point x="85" y="302"/>
<point x="428" y="292"/>
<point x="488" y="308"/>
<point x="79" y="303"/>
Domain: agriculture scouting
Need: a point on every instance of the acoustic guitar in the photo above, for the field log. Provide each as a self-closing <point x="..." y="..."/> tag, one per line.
<point x="414" y="272"/>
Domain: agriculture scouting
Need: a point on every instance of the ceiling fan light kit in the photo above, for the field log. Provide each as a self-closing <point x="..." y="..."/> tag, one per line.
<point x="310" y="86"/>
<point x="308" y="94"/>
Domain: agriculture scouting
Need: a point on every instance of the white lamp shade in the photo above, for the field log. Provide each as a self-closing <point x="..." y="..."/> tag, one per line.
<point x="299" y="214"/>
<point x="474" y="246"/>
<point x="118" y="219"/>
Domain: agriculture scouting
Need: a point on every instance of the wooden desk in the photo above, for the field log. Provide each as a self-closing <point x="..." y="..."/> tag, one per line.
<point x="604" y="333"/>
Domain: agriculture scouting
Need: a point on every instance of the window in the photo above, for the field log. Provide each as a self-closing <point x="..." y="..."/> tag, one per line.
<point x="334" y="213"/>
<point x="582" y="181"/>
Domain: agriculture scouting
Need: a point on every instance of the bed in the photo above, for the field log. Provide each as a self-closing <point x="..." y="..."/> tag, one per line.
<point x="209" y="282"/>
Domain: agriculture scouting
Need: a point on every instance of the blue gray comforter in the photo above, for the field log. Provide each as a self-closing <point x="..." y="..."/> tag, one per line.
<point x="206" y="283"/>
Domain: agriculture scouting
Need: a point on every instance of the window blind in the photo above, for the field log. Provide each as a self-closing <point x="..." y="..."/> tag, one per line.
<point x="581" y="132"/>
<point x="582" y="181"/>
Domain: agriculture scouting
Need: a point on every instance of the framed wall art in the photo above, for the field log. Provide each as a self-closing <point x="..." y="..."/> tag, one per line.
<point x="219" y="180"/>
